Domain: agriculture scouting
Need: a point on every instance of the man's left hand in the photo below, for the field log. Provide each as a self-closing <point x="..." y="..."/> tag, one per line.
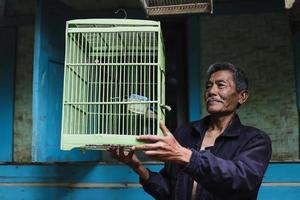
<point x="164" y="148"/>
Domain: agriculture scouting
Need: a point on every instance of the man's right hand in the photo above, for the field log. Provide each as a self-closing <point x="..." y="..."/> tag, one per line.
<point x="131" y="160"/>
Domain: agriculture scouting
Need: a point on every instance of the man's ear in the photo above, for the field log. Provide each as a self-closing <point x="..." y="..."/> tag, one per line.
<point x="243" y="96"/>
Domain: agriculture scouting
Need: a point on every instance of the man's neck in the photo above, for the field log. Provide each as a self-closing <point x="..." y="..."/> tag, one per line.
<point x="219" y="123"/>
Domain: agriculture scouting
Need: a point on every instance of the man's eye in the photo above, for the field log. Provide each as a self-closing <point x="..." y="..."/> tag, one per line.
<point x="208" y="86"/>
<point x="221" y="85"/>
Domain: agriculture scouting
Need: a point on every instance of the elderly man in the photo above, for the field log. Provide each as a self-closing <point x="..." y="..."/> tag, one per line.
<point x="214" y="158"/>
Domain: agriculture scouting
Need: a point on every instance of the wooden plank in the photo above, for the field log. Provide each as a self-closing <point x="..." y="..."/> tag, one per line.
<point x="115" y="173"/>
<point x="283" y="172"/>
<point x="74" y="185"/>
<point x="70" y="173"/>
<point x="46" y="193"/>
<point x="279" y="193"/>
<point x="112" y="181"/>
<point x="7" y="76"/>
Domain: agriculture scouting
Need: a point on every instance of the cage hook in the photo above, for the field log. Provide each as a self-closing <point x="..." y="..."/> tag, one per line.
<point x="123" y="10"/>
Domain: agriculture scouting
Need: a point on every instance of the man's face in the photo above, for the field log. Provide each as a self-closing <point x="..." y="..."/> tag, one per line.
<point x="220" y="95"/>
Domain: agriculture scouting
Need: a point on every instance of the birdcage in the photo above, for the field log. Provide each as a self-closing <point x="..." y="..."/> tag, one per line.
<point x="175" y="7"/>
<point x="113" y="82"/>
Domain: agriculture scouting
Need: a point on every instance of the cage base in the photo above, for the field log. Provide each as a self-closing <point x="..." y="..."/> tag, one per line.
<point x="99" y="141"/>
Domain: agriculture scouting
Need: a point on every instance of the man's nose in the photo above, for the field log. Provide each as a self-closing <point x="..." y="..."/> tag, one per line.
<point x="212" y="90"/>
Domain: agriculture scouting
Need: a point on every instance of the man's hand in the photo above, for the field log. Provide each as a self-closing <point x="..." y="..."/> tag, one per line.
<point x="131" y="160"/>
<point x="164" y="148"/>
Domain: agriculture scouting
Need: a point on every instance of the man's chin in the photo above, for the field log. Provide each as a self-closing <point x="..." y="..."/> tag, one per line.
<point x="218" y="112"/>
<point x="212" y="109"/>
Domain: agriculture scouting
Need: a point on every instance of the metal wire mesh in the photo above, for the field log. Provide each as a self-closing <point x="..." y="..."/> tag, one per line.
<point x="173" y="7"/>
<point x="113" y="84"/>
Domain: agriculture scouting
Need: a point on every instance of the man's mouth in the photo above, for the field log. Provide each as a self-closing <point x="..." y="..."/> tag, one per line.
<point x="212" y="100"/>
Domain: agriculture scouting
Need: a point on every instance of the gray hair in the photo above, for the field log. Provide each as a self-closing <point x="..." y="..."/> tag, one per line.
<point x="240" y="79"/>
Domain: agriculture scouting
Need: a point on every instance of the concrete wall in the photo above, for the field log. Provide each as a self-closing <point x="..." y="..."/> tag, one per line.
<point x="23" y="95"/>
<point x="23" y="79"/>
<point x="261" y="45"/>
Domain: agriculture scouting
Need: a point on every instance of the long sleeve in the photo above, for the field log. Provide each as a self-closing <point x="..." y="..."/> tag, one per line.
<point x="244" y="173"/>
<point x="161" y="184"/>
<point x="158" y="184"/>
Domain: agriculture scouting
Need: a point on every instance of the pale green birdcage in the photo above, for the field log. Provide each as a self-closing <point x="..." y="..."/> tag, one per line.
<point x="114" y="78"/>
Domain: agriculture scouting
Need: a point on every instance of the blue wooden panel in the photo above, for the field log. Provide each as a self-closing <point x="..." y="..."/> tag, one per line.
<point x="283" y="172"/>
<point x="45" y="193"/>
<point x="193" y="53"/>
<point x="55" y="181"/>
<point x="48" y="83"/>
<point x="50" y="193"/>
<point x="7" y="74"/>
<point x="115" y="181"/>
<point x="279" y="193"/>
<point x="67" y="173"/>
<point x="116" y="173"/>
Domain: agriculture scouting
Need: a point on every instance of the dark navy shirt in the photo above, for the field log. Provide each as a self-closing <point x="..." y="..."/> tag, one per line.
<point x="232" y="169"/>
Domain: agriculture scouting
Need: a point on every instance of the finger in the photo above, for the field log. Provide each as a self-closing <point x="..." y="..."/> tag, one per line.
<point x="146" y="147"/>
<point x="157" y="155"/>
<point x="151" y="152"/>
<point x="130" y="154"/>
<point x="111" y="149"/>
<point x="121" y="152"/>
<point x="149" y="138"/>
<point x="164" y="129"/>
<point x="113" y="152"/>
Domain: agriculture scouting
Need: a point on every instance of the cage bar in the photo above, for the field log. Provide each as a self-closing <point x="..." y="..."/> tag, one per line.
<point x="175" y="7"/>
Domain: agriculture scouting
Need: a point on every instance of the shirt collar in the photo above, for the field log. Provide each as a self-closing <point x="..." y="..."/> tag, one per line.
<point x="233" y="130"/>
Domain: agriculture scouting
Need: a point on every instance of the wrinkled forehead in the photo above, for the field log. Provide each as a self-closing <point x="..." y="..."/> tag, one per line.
<point x="221" y="75"/>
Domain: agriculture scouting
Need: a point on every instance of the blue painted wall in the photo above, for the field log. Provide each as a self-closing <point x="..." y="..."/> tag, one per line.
<point x="115" y="181"/>
<point x="48" y="66"/>
<point x="7" y="77"/>
<point x="193" y="56"/>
